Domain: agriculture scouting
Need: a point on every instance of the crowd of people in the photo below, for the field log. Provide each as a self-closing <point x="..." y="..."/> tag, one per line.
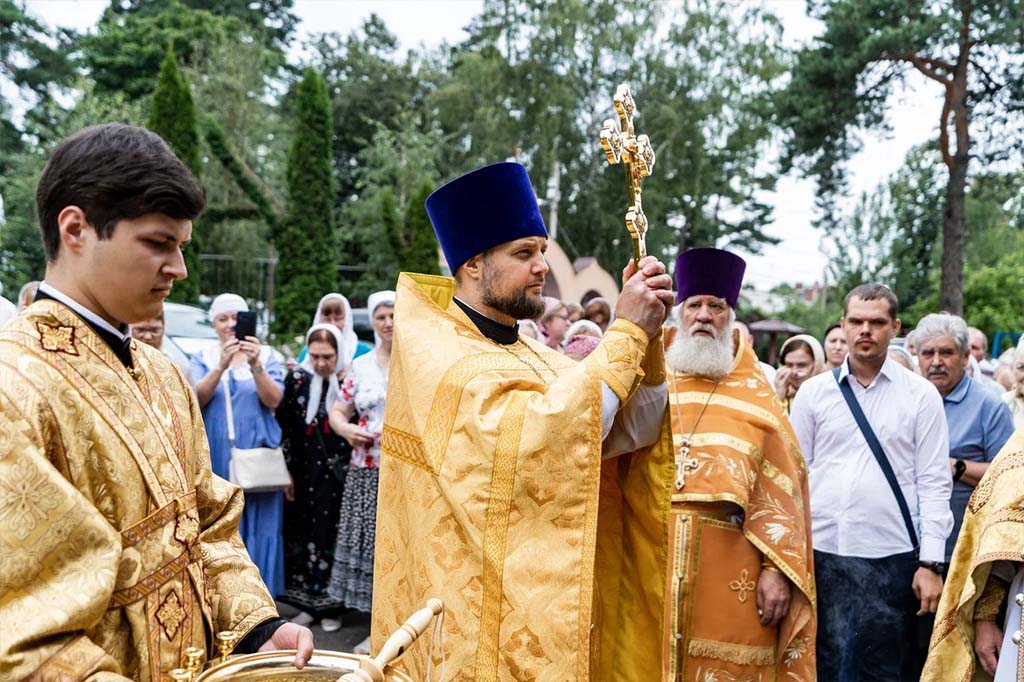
<point x="939" y="409"/>
<point x="574" y="481"/>
<point x="944" y="409"/>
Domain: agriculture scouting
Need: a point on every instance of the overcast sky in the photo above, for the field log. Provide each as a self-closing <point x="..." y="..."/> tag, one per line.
<point x="798" y="258"/>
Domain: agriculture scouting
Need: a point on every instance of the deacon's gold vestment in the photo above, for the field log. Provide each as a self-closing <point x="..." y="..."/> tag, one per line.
<point x="118" y="546"/>
<point x="993" y="531"/>
<point x="744" y="501"/>
<point x="489" y="493"/>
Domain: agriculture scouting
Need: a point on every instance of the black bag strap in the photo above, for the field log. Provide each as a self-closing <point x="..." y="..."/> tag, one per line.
<point x="878" y="452"/>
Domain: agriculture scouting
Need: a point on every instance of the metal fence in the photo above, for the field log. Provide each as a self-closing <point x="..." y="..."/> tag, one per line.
<point x="252" y="278"/>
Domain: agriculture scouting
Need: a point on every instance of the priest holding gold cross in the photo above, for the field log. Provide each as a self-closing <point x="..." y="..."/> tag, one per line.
<point x="498" y="481"/>
<point x="499" y="484"/>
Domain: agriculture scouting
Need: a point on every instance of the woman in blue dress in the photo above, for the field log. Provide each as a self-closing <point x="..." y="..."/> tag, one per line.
<point x="255" y="380"/>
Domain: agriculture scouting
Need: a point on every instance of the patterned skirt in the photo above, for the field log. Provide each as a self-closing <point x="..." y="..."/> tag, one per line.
<point x="352" y="574"/>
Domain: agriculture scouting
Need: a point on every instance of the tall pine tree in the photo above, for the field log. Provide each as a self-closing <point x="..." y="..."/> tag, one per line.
<point x="413" y="241"/>
<point x="305" y="239"/>
<point x="173" y="117"/>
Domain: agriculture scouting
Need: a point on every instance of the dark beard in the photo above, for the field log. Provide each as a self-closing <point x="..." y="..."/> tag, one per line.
<point x="520" y="305"/>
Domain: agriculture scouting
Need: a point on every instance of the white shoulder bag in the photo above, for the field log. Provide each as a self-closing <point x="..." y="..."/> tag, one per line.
<point x="254" y="470"/>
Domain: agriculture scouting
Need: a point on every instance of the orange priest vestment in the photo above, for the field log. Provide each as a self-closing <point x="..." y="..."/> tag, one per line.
<point x="489" y="494"/>
<point x="739" y="498"/>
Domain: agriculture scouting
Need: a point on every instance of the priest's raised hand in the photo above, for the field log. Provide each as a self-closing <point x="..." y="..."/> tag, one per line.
<point x="647" y="296"/>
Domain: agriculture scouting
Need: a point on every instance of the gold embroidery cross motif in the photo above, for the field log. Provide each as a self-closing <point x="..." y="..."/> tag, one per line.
<point x="743" y="585"/>
<point x="684" y="464"/>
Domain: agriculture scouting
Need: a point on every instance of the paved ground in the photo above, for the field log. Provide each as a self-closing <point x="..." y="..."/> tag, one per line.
<point x="355" y="627"/>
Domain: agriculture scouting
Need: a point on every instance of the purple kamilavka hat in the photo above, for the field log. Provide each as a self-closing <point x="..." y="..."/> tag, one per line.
<point x="709" y="272"/>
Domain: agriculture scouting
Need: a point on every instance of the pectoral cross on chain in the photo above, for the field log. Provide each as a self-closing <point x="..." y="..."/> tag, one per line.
<point x="684" y="464"/>
<point x="622" y="145"/>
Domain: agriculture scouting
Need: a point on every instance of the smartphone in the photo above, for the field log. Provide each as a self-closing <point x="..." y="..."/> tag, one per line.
<point x="245" y="325"/>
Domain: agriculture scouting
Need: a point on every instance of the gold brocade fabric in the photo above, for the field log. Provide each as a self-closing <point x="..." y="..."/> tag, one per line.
<point x="489" y="492"/>
<point x="745" y="459"/>
<point x="993" y="530"/>
<point x="118" y="546"/>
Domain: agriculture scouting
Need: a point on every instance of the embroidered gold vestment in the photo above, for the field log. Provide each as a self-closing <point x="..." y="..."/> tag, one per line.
<point x="993" y="530"/>
<point x="489" y="492"/>
<point x="118" y="546"/>
<point x="743" y="500"/>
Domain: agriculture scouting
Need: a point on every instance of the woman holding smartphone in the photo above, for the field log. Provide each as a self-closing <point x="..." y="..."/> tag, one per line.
<point x="245" y="371"/>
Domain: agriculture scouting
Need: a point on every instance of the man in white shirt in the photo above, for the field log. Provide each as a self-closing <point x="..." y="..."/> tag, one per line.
<point x="870" y="580"/>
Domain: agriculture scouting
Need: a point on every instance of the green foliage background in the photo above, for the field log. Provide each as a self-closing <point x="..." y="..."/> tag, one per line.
<point x="305" y="238"/>
<point x="173" y="117"/>
<point x="319" y="166"/>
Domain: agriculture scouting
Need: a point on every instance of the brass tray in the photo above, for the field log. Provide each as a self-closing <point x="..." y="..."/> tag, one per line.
<point x="324" y="666"/>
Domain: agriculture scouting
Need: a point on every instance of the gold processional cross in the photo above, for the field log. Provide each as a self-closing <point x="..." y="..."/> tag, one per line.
<point x="622" y="145"/>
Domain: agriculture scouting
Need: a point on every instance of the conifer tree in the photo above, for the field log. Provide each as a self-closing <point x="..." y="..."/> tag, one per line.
<point x="305" y="239"/>
<point x="415" y="244"/>
<point x="173" y="117"/>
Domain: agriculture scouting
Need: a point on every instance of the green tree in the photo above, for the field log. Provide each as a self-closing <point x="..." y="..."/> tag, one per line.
<point x="35" y="65"/>
<point x="844" y="81"/>
<point x="21" y="248"/>
<point x="414" y="241"/>
<point x="173" y="113"/>
<point x="305" y="240"/>
<point x="126" y="50"/>
<point x="534" y="81"/>
<point x="245" y="177"/>
<point x="370" y="86"/>
<point x="894" y="235"/>
<point x="379" y="233"/>
<point x="173" y="117"/>
<point x="270" y="19"/>
<point x="993" y="300"/>
<point x="909" y="222"/>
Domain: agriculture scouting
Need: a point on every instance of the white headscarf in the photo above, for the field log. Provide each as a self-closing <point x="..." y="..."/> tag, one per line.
<point x="378" y="298"/>
<point x="229" y="303"/>
<point x="316" y="387"/>
<point x="348" y="333"/>
<point x="579" y="326"/>
<point x="817" y="352"/>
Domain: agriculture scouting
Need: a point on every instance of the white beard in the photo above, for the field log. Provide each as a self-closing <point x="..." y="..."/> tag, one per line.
<point x="701" y="355"/>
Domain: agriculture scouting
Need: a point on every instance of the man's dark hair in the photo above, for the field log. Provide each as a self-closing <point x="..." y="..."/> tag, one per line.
<point x="873" y="292"/>
<point x="114" y="172"/>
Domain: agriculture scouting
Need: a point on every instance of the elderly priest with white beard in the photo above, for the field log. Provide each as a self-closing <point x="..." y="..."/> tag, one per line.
<point x="736" y="598"/>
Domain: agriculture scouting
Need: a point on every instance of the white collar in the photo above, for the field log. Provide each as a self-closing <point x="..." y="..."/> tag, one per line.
<point x="123" y="334"/>
<point x="886" y="371"/>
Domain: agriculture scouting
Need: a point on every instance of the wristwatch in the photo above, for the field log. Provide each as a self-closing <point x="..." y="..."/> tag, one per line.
<point x="935" y="567"/>
<point x="959" y="468"/>
<point x="256" y="369"/>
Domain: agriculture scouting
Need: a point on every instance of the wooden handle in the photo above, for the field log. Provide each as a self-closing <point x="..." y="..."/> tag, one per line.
<point x="372" y="670"/>
<point x="411" y="629"/>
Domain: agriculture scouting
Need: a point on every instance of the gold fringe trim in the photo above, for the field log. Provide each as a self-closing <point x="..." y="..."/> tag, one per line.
<point x="739" y="654"/>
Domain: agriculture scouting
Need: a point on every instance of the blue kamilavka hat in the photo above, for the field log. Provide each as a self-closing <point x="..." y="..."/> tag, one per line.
<point x="484" y="208"/>
<point x="709" y="272"/>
